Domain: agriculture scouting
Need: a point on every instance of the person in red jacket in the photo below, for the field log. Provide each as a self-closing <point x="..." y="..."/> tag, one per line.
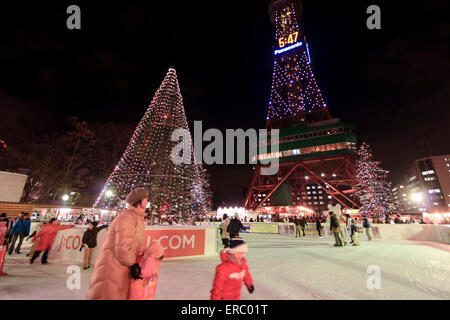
<point x="231" y="272"/>
<point x="47" y="236"/>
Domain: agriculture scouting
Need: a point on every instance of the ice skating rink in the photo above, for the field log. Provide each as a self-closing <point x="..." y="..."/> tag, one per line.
<point x="282" y="268"/>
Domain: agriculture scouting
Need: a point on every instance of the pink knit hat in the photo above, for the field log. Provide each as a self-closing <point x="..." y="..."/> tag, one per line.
<point x="154" y="251"/>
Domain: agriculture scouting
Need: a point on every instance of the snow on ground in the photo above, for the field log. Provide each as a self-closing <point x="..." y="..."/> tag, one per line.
<point x="283" y="267"/>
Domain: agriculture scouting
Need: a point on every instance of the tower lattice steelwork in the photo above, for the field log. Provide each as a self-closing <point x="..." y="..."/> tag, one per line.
<point x="317" y="152"/>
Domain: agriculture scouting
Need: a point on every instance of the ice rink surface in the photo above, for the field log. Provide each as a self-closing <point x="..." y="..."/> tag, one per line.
<point x="282" y="267"/>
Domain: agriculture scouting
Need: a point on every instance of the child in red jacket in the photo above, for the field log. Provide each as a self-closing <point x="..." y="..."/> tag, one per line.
<point x="230" y="273"/>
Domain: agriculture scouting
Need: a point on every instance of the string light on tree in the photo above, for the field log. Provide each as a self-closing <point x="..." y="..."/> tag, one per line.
<point x="181" y="189"/>
<point x="372" y="188"/>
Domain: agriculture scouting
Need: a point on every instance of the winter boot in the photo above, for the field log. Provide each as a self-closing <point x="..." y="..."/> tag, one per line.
<point x="35" y="255"/>
<point x="44" y="257"/>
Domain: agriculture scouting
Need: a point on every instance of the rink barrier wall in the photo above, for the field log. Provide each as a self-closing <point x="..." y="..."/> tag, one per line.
<point x="177" y="242"/>
<point x="394" y="232"/>
<point x="415" y="232"/>
<point x="197" y="241"/>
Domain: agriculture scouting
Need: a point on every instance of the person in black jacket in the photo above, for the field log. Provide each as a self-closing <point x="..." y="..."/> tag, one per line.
<point x="319" y="226"/>
<point x="235" y="226"/>
<point x="297" y="226"/>
<point x="90" y="242"/>
<point x="303" y="224"/>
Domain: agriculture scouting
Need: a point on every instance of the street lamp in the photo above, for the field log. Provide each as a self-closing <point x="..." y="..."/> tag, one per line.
<point x="65" y="197"/>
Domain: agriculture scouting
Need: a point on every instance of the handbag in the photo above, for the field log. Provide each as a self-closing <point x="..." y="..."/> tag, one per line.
<point x="337" y="229"/>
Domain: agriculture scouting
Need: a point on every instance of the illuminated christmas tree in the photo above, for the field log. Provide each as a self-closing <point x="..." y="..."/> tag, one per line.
<point x="179" y="189"/>
<point x="294" y="87"/>
<point x="373" y="190"/>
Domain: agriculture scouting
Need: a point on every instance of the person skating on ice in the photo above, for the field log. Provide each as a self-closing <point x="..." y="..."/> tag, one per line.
<point x="20" y="230"/>
<point x="231" y="272"/>
<point x="336" y="228"/>
<point x="235" y="226"/>
<point x="303" y="224"/>
<point x="297" y="226"/>
<point x="368" y="227"/>
<point x="319" y="226"/>
<point x="46" y="238"/>
<point x="90" y="242"/>
<point x="225" y="235"/>
<point x="354" y="233"/>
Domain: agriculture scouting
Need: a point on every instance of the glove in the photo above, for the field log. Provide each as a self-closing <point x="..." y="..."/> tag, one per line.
<point x="135" y="271"/>
<point x="251" y="289"/>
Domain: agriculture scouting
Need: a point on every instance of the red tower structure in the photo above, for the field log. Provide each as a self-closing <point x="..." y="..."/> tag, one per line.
<point x="317" y="153"/>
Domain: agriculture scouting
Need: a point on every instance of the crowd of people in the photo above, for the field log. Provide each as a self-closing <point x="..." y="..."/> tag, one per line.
<point x="349" y="228"/>
<point x="16" y="229"/>
<point x="124" y="271"/>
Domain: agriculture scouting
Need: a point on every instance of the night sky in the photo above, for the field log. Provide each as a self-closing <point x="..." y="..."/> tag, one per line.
<point x="392" y="83"/>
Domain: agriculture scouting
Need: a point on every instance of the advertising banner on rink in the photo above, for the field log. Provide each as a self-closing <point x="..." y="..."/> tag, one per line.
<point x="260" y="227"/>
<point x="311" y="230"/>
<point x="67" y="245"/>
<point x="264" y="228"/>
<point x="178" y="242"/>
<point x="287" y="229"/>
<point x="246" y="226"/>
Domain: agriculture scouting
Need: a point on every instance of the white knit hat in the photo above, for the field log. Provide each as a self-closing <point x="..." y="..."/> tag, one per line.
<point x="237" y="245"/>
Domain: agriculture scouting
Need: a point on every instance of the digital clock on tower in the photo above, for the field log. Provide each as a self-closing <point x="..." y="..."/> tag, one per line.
<point x="289" y="39"/>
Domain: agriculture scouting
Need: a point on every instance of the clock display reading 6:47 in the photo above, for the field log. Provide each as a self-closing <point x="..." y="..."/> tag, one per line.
<point x="291" y="38"/>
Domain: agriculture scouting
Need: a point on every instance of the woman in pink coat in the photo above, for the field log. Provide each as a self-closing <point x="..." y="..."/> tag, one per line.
<point x="116" y="261"/>
<point x="47" y="236"/>
<point x="144" y="289"/>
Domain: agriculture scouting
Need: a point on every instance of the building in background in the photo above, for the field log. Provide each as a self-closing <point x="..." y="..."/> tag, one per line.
<point x="400" y="197"/>
<point x="426" y="186"/>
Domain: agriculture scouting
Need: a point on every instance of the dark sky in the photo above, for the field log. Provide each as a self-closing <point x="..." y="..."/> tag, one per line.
<point x="392" y="83"/>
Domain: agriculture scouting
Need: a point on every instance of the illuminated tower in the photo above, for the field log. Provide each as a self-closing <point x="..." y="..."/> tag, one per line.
<point x="294" y="88"/>
<point x="317" y="152"/>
